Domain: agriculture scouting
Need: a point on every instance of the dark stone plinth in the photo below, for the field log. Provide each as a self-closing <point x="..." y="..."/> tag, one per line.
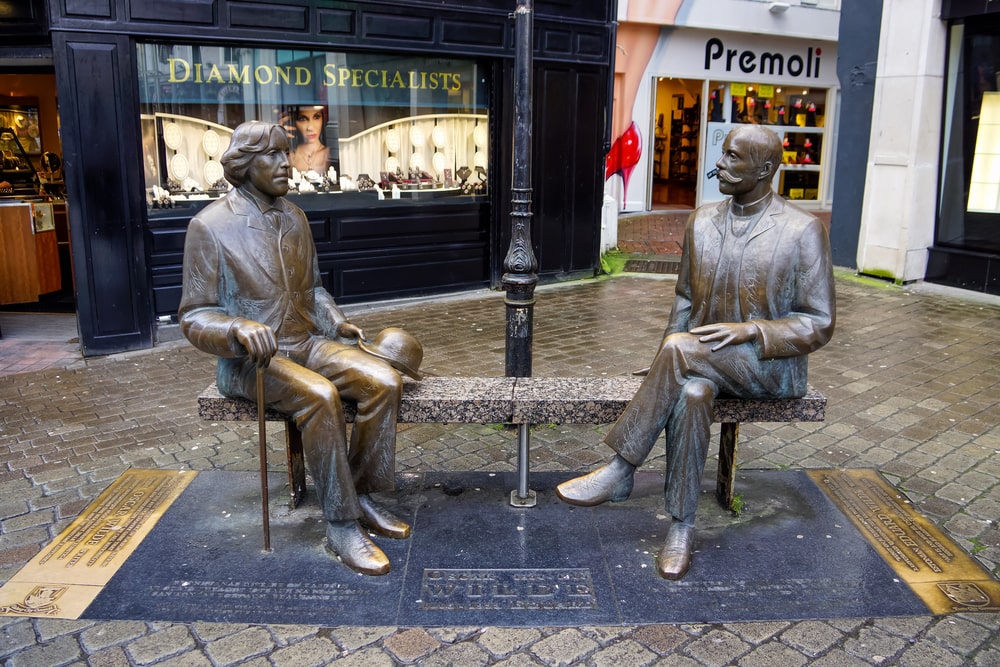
<point x="475" y="560"/>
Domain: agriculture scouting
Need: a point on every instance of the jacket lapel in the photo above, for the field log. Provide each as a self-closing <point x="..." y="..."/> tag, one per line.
<point x="767" y="221"/>
<point x="719" y="216"/>
<point x="241" y="206"/>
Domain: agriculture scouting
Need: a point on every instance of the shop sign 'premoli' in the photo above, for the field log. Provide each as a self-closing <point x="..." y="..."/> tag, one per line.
<point x="765" y="63"/>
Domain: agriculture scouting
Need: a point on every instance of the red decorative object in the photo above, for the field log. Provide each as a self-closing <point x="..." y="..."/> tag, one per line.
<point x="624" y="154"/>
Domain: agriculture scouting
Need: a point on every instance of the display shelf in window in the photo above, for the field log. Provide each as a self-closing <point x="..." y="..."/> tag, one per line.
<point x="683" y="153"/>
<point x="799" y="174"/>
<point x="180" y="158"/>
<point x="18" y="178"/>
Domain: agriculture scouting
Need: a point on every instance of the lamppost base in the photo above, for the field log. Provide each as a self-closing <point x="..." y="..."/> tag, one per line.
<point x="528" y="501"/>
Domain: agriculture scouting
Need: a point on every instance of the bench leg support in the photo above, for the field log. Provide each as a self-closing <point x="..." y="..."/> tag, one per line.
<point x="523" y="496"/>
<point x="727" y="464"/>
<point x="296" y="465"/>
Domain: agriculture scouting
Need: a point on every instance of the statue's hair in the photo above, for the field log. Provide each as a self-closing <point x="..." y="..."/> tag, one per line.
<point x="249" y="139"/>
<point x="764" y="146"/>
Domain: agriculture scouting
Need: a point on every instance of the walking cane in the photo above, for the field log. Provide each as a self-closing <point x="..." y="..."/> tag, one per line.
<point x="262" y="436"/>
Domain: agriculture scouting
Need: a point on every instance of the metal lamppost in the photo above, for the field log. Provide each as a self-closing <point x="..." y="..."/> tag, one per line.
<point x="520" y="265"/>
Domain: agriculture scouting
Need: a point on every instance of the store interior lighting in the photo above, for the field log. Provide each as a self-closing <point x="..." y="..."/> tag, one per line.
<point x="984" y="189"/>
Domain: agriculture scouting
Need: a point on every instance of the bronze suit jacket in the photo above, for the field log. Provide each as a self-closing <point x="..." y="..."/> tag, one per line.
<point x="785" y="278"/>
<point x="237" y="264"/>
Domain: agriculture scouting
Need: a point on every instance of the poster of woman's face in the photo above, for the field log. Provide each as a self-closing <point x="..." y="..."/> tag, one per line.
<point x="307" y="125"/>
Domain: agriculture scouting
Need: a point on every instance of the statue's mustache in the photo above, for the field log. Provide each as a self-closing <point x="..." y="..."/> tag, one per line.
<point x="728" y="178"/>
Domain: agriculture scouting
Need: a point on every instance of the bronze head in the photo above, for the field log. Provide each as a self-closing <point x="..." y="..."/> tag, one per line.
<point x="249" y="140"/>
<point x="764" y="145"/>
<point x="751" y="155"/>
<point x="257" y="159"/>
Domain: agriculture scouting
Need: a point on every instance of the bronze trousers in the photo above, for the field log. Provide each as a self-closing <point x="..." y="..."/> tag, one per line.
<point x="677" y="395"/>
<point x="307" y="382"/>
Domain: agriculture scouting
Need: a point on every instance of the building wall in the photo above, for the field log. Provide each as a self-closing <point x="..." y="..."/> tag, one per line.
<point x="93" y="46"/>
<point x="667" y="38"/>
<point x="860" y="26"/>
<point x="898" y="214"/>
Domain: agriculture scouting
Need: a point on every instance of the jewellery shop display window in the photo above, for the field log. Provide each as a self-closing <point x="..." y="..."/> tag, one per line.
<point x="798" y="116"/>
<point x="359" y="125"/>
<point x="969" y="202"/>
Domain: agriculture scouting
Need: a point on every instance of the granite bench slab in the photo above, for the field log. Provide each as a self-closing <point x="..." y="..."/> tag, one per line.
<point x="435" y="400"/>
<point x="532" y="400"/>
<point x="601" y="400"/>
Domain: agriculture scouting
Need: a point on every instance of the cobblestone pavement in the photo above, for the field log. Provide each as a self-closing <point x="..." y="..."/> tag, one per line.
<point x="913" y="380"/>
<point x="659" y="233"/>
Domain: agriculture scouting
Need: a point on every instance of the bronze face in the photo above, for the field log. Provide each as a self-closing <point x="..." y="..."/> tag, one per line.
<point x="267" y="175"/>
<point x="738" y="174"/>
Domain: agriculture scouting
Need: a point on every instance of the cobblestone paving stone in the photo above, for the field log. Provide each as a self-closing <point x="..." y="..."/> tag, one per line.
<point x="912" y="377"/>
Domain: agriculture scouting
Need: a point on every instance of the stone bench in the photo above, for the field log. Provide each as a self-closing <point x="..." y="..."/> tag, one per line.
<point x="534" y="400"/>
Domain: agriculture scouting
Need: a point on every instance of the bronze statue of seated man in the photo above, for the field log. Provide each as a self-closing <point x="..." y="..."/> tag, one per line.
<point x="754" y="297"/>
<point x="253" y="296"/>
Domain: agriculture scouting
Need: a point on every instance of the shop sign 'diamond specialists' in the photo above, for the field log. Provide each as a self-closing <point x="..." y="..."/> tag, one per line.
<point x="195" y="74"/>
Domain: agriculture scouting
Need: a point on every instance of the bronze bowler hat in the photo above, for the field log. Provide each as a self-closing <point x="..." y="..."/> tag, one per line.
<point x="398" y="347"/>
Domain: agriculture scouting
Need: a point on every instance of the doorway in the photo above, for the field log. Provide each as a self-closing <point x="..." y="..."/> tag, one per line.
<point x="677" y="135"/>
<point x="36" y="266"/>
<point x="35" y="256"/>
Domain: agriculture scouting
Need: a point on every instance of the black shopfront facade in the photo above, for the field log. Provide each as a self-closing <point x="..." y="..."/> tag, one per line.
<point x="404" y="176"/>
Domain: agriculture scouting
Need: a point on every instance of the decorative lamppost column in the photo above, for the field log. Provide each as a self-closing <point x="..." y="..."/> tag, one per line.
<point x="520" y="265"/>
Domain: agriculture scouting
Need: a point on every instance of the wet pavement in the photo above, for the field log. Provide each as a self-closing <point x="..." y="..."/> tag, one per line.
<point x="912" y="377"/>
<point x="36" y="341"/>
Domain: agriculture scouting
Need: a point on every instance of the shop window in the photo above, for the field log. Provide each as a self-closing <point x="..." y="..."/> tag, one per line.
<point x="984" y="186"/>
<point x="371" y="125"/>
<point x="969" y="215"/>
<point x="797" y="114"/>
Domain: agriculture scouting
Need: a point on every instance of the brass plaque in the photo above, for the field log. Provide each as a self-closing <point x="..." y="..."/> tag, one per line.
<point x="66" y="576"/>
<point x="935" y="568"/>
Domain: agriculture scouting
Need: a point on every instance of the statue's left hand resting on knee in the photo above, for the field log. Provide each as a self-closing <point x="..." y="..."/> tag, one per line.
<point x="754" y="297"/>
<point x="253" y="296"/>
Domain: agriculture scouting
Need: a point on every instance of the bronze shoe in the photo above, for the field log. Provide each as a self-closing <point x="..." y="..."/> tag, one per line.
<point x="611" y="482"/>
<point x="675" y="557"/>
<point x="347" y="541"/>
<point x="379" y="520"/>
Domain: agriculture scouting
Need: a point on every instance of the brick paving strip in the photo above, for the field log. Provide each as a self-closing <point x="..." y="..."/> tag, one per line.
<point x="913" y="380"/>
